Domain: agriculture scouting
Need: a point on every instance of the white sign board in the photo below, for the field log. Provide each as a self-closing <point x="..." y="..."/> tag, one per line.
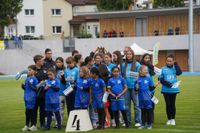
<point x="78" y="120"/>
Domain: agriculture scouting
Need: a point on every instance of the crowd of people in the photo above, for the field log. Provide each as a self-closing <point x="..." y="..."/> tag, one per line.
<point x="121" y="76"/>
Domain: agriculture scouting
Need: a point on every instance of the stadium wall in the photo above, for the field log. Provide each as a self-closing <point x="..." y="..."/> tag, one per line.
<point x="14" y="60"/>
<point x="168" y="43"/>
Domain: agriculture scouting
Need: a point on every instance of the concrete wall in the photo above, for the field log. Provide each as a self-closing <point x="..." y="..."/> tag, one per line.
<point x="14" y="60"/>
<point x="179" y="42"/>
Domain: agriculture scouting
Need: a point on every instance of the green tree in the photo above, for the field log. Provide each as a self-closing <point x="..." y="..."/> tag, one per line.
<point x="113" y="5"/>
<point x="168" y="3"/>
<point x="8" y="11"/>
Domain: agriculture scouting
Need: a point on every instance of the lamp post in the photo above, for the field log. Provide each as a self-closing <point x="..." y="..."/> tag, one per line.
<point x="190" y="26"/>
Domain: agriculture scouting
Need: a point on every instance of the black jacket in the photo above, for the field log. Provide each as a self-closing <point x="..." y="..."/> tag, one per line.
<point x="49" y="64"/>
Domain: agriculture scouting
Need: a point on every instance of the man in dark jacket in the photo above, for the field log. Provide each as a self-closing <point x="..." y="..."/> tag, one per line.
<point x="49" y="63"/>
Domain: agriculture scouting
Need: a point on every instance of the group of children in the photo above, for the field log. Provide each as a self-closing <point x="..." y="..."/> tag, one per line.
<point x="123" y="78"/>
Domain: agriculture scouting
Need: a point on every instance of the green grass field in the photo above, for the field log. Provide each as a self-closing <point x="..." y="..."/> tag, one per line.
<point x="12" y="116"/>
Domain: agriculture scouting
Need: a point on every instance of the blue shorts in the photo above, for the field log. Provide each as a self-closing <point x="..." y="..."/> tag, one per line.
<point x="52" y="107"/>
<point x="145" y="104"/>
<point x="82" y="100"/>
<point x="29" y="104"/>
<point x="117" y="104"/>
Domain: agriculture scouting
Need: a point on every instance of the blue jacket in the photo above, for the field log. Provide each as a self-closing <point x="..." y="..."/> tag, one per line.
<point x="62" y="85"/>
<point x="72" y="74"/>
<point x="129" y="79"/>
<point x="52" y="94"/>
<point x="168" y="77"/>
<point x="110" y="67"/>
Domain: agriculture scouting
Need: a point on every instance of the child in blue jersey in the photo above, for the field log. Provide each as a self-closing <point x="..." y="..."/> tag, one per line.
<point x="60" y="68"/>
<point x="128" y="68"/>
<point x="71" y="75"/>
<point x="52" y="98"/>
<point x="82" y="97"/>
<point x="117" y="87"/>
<point x="146" y="60"/>
<point x="98" y="90"/>
<point x="107" y="61"/>
<point x="167" y="78"/>
<point x="30" y="97"/>
<point x="144" y="87"/>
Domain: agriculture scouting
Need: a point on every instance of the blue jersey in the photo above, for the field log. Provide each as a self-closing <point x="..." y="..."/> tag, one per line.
<point x="144" y="94"/>
<point x="130" y="80"/>
<point x="97" y="92"/>
<point x="30" y="94"/>
<point x="97" y="86"/>
<point x="72" y="74"/>
<point x="169" y="75"/>
<point x="117" y="85"/>
<point x="82" y="98"/>
<point x="110" y="67"/>
<point x="52" y="96"/>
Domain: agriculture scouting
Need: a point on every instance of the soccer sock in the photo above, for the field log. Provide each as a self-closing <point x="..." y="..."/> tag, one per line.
<point x="125" y="118"/>
<point x="28" y="116"/>
<point x="116" y="115"/>
<point x="49" y="118"/>
<point x="58" y="119"/>
<point x="99" y="117"/>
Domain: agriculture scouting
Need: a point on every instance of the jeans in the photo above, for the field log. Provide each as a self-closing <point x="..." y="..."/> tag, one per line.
<point x="130" y="95"/>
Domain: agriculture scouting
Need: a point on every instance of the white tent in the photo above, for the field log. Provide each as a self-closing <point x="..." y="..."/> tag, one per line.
<point x="138" y="50"/>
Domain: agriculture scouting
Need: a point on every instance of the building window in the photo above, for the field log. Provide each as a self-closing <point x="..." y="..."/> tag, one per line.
<point x="29" y="12"/>
<point x="57" y="29"/>
<point x="56" y="12"/>
<point x="30" y="29"/>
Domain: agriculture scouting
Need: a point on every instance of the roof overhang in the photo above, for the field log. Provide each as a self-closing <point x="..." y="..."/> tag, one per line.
<point x="138" y="13"/>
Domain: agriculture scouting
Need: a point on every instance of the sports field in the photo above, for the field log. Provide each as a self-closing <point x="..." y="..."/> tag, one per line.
<point x="12" y="116"/>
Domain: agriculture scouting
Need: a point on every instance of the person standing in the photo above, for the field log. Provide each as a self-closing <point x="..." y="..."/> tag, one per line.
<point x="168" y="78"/>
<point x="41" y="76"/>
<point x="49" y="63"/>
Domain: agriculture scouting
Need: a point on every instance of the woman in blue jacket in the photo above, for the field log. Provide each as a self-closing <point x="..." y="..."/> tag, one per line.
<point x="168" y="78"/>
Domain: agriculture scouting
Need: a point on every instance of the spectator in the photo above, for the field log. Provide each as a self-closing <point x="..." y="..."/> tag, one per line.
<point x="121" y="34"/>
<point x="16" y="40"/>
<point x="20" y="41"/>
<point x="6" y="43"/>
<point x="114" y="33"/>
<point x="105" y="34"/>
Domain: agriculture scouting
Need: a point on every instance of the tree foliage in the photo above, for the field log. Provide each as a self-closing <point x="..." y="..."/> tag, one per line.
<point x="168" y="3"/>
<point x="113" y="5"/>
<point x="9" y="10"/>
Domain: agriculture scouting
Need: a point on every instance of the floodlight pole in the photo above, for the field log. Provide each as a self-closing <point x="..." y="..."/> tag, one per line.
<point x="190" y="26"/>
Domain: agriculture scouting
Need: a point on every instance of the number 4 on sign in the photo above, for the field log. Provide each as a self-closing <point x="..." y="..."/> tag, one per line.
<point x="76" y="123"/>
<point x="78" y="120"/>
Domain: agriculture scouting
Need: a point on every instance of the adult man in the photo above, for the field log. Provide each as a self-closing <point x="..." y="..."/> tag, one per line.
<point x="49" y="63"/>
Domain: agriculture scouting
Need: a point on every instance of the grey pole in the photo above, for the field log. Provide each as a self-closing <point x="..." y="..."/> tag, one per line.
<point x="190" y="26"/>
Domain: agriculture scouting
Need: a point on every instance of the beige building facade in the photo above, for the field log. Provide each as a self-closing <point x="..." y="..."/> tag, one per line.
<point x="57" y="14"/>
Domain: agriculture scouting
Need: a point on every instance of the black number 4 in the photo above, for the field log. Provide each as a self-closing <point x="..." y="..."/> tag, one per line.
<point x="76" y="123"/>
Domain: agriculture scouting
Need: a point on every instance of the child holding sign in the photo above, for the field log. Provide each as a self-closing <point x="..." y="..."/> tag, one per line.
<point x="168" y="78"/>
<point x="117" y="87"/>
<point x="30" y="98"/>
<point x="98" y="90"/>
<point x="144" y="87"/>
